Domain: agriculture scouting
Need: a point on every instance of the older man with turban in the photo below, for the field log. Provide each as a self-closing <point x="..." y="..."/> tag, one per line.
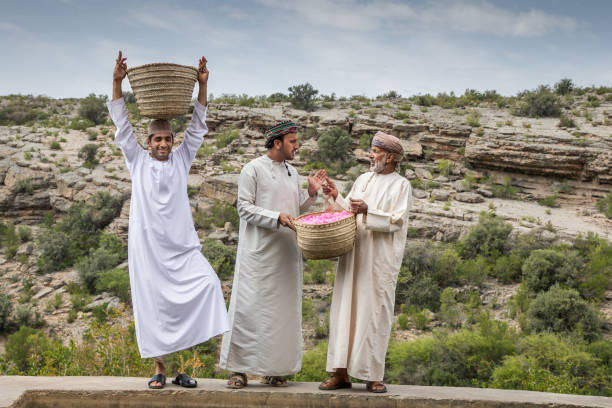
<point x="176" y="294"/>
<point x="364" y="290"/>
<point x="266" y="303"/>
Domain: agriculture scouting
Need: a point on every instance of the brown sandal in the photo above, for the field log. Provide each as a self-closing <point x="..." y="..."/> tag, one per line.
<point x="274" y="381"/>
<point x="237" y="381"/>
<point x="333" y="384"/>
<point x="376" y="386"/>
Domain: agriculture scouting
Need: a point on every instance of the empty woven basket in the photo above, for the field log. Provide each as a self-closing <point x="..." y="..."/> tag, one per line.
<point x="323" y="241"/>
<point x="162" y="91"/>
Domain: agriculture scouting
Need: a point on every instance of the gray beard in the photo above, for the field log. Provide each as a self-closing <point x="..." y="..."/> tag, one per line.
<point x="378" y="167"/>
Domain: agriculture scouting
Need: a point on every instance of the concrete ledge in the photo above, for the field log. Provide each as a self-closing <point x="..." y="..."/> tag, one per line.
<point x="119" y="392"/>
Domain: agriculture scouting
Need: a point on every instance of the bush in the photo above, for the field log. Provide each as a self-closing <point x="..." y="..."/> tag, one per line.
<point x="57" y="251"/>
<point x="365" y="141"/>
<point x="319" y="269"/>
<point x="473" y="271"/>
<point x="24" y="346"/>
<point x="563" y="311"/>
<point x="539" y="103"/>
<point x="549" y="363"/>
<point x="178" y="124"/>
<point x="313" y="364"/>
<point x="116" y="281"/>
<point x="334" y="146"/>
<point x="93" y="108"/>
<point x="508" y="268"/>
<point x="445" y="167"/>
<point x="564" y="86"/>
<point x="597" y="273"/>
<point x="221" y="257"/>
<point x="24" y="233"/>
<point x="566" y="121"/>
<point x="6" y="307"/>
<point x="302" y="96"/>
<point x="488" y="238"/>
<point x="505" y="190"/>
<point x="549" y="201"/>
<point x="23" y="186"/>
<point x="546" y="267"/>
<point x="226" y="137"/>
<point x="473" y="119"/>
<point x="604" y="205"/>
<point x="110" y="253"/>
<point x="28" y="316"/>
<point x="88" y="154"/>
<point x="80" y="124"/>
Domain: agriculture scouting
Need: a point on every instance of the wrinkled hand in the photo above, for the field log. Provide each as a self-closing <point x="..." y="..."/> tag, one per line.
<point x="315" y="181"/>
<point x="120" y="68"/>
<point x="358" y="206"/>
<point x="202" y="71"/>
<point x="286" y="220"/>
<point x="329" y="188"/>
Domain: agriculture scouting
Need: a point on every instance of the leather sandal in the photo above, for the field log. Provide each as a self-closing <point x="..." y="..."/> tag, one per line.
<point x="237" y="381"/>
<point x="374" y="386"/>
<point x="332" y="384"/>
<point x="160" y="378"/>
<point x="185" y="381"/>
<point x="274" y="381"/>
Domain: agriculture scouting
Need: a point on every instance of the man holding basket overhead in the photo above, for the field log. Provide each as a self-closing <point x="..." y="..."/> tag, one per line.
<point x="176" y="295"/>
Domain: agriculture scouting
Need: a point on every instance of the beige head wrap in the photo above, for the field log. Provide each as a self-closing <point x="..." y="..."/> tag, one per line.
<point x="159" y="126"/>
<point x="389" y="143"/>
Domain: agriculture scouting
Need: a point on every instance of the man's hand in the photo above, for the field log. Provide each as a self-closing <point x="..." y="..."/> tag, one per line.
<point x="202" y="71"/>
<point x="358" y="206"/>
<point x="119" y="73"/>
<point x="120" y="68"/>
<point x="202" y="81"/>
<point x="329" y="188"/>
<point x="315" y="181"/>
<point x="286" y="220"/>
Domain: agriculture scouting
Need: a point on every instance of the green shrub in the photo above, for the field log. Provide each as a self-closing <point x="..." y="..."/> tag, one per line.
<point x="566" y="121"/>
<point x="226" y="137"/>
<point x="489" y="238"/>
<point x="23" y="109"/>
<point x="178" y="124"/>
<point x="473" y="119"/>
<point x="55" y="145"/>
<point x="564" y="86"/>
<point x="539" y="103"/>
<point x="604" y="205"/>
<point x="28" y="316"/>
<point x="445" y="167"/>
<point x="93" y="108"/>
<point x="546" y="267"/>
<point x="57" y="251"/>
<point x="465" y="358"/>
<point x="313" y="365"/>
<point x="334" y="146"/>
<point x="402" y="321"/>
<point x="597" y="273"/>
<point x="563" y="311"/>
<point x="302" y="96"/>
<point x="110" y="253"/>
<point x="6" y="308"/>
<point x="23" y="186"/>
<point x="508" y="268"/>
<point x="221" y="257"/>
<point x="549" y="363"/>
<point x="549" y="201"/>
<point x="505" y="190"/>
<point x="80" y="124"/>
<point x="365" y="141"/>
<point x="24" y="346"/>
<point x="473" y="271"/>
<point x="88" y="154"/>
<point x="319" y="269"/>
<point x="24" y="233"/>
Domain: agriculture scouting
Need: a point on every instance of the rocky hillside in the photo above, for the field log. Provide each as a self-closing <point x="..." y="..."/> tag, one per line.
<point x="535" y="174"/>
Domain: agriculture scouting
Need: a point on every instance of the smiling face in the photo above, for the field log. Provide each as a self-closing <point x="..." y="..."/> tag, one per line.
<point x="378" y="159"/>
<point x="161" y="145"/>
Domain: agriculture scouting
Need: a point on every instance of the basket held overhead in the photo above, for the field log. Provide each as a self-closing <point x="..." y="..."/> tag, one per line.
<point x="324" y="241"/>
<point x="162" y="90"/>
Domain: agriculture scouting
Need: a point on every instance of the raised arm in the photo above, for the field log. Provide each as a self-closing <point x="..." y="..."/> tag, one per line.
<point x="118" y="74"/>
<point x="202" y="81"/>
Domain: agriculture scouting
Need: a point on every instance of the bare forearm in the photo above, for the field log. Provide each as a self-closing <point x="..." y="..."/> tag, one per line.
<point x="117" y="93"/>
<point x="202" y="98"/>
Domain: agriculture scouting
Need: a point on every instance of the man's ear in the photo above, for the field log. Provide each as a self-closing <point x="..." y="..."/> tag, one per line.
<point x="278" y="143"/>
<point x="149" y="141"/>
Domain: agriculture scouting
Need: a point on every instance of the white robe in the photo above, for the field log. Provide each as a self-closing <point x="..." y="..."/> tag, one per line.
<point x="266" y="303"/>
<point x="176" y="295"/>
<point x="364" y="289"/>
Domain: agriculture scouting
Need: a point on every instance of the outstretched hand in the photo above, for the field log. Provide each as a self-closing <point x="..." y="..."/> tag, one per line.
<point x="120" y="68"/>
<point x="202" y="71"/>
<point x="315" y="181"/>
<point x="329" y="188"/>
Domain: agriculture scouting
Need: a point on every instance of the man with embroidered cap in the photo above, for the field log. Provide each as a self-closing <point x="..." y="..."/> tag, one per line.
<point x="364" y="290"/>
<point x="176" y="295"/>
<point x="266" y="304"/>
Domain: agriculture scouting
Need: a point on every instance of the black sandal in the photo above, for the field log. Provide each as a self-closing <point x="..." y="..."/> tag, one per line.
<point x="237" y="381"/>
<point x="185" y="381"/>
<point x="330" y="384"/>
<point x="275" y="381"/>
<point x="370" y="387"/>
<point x="160" y="378"/>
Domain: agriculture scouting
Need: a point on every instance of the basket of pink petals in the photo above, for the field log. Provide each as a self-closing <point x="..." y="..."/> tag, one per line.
<point x="323" y="235"/>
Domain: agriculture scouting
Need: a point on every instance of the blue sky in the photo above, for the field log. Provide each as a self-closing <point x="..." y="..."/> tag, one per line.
<point x="66" y="48"/>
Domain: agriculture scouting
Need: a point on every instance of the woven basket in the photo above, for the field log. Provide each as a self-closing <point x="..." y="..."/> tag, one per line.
<point x="162" y="91"/>
<point x="323" y="241"/>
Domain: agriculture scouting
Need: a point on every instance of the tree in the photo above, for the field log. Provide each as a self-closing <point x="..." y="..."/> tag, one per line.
<point x="302" y="96"/>
<point x="334" y="146"/>
<point x="94" y="108"/>
<point x="88" y="153"/>
<point x="564" y="86"/>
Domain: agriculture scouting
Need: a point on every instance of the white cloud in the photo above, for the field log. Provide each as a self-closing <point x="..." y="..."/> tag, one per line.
<point x="10" y="27"/>
<point x="476" y="16"/>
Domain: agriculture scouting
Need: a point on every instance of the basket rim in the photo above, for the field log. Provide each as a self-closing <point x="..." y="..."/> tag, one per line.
<point x="302" y="224"/>
<point x="154" y="64"/>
